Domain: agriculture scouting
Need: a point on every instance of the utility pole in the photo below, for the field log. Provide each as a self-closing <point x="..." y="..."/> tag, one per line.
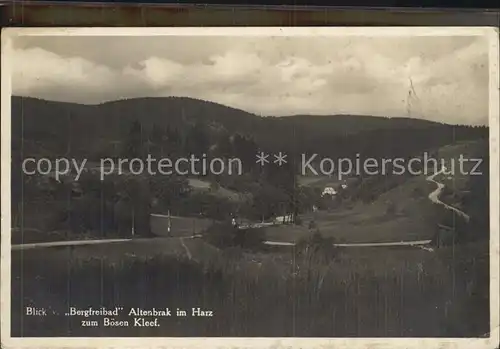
<point x="133" y="221"/>
<point x="169" y="224"/>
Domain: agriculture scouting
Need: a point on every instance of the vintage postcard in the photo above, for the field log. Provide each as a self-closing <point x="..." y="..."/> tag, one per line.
<point x="250" y="187"/>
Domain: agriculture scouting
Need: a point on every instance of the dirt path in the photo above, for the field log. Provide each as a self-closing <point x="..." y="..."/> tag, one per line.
<point x="67" y="243"/>
<point x="370" y="244"/>
<point x="434" y="196"/>
<point x="186" y="249"/>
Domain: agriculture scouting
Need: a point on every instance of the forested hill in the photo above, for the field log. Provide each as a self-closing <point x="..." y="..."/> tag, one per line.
<point x="55" y="128"/>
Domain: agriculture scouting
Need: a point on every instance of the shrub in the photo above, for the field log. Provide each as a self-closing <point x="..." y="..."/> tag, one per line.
<point x="224" y="235"/>
<point x="321" y="247"/>
<point x="221" y="234"/>
<point x="249" y="238"/>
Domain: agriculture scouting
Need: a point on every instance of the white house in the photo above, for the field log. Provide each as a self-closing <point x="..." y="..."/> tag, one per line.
<point x="329" y="191"/>
<point x="284" y="219"/>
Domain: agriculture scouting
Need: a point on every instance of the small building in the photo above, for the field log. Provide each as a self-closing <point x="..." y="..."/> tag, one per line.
<point x="284" y="219"/>
<point x="329" y="191"/>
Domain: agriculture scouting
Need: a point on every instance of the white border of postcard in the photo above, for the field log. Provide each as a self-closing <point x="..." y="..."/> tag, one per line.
<point x="9" y="34"/>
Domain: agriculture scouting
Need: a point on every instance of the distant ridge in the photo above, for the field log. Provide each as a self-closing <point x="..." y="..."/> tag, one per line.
<point x="90" y="128"/>
<point x="185" y="99"/>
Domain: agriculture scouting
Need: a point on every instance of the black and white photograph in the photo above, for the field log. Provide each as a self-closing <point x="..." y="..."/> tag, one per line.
<point x="295" y="187"/>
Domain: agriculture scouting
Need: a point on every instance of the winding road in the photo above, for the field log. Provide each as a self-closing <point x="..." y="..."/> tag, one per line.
<point x="433" y="196"/>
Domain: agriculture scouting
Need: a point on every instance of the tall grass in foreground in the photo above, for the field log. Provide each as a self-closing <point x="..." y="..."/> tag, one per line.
<point x="304" y="292"/>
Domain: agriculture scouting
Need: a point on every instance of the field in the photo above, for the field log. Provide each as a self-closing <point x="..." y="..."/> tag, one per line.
<point x="371" y="222"/>
<point x="296" y="292"/>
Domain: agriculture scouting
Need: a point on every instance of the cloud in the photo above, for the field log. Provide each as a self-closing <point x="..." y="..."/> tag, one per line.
<point x="281" y="78"/>
<point x="36" y="69"/>
<point x="155" y="71"/>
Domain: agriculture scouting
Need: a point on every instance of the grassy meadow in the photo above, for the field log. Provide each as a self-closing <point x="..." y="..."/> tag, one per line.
<point x="311" y="290"/>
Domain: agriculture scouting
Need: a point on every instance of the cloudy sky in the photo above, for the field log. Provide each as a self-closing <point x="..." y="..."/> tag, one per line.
<point x="273" y="76"/>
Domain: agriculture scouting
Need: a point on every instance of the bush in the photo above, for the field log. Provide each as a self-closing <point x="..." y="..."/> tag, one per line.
<point x="316" y="244"/>
<point x="248" y="238"/>
<point x="221" y="234"/>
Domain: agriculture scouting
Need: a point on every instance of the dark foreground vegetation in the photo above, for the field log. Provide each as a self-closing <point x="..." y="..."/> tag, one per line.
<point x="306" y="291"/>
